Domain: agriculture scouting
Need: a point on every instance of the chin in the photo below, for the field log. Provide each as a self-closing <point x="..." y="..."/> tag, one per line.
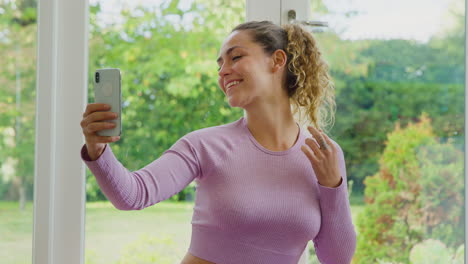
<point x="234" y="103"/>
<point x="237" y="104"/>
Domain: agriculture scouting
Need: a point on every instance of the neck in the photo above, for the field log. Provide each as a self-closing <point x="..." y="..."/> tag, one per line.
<point x="274" y="129"/>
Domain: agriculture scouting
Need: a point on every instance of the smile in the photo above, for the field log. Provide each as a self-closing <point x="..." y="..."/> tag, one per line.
<point x="232" y="84"/>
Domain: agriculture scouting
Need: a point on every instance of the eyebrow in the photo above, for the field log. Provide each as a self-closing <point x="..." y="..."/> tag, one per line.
<point x="228" y="51"/>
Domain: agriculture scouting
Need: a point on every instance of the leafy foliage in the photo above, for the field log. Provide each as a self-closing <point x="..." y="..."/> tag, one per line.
<point x="417" y="194"/>
<point x="169" y="78"/>
<point x="367" y="111"/>
<point x="17" y="97"/>
<point x="434" y="251"/>
<point x="381" y="81"/>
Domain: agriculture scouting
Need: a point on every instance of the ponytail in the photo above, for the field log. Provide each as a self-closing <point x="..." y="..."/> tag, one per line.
<point x="308" y="82"/>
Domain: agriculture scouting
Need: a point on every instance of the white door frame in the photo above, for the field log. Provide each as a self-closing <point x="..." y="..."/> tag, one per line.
<point x="59" y="176"/>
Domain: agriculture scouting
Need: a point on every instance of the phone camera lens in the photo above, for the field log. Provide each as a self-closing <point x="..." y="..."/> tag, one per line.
<point x="97" y="77"/>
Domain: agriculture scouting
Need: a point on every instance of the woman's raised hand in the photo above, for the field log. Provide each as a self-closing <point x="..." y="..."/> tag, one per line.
<point x="91" y="123"/>
<point x="323" y="156"/>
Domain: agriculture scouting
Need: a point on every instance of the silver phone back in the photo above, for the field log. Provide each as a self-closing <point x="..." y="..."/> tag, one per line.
<point x="108" y="91"/>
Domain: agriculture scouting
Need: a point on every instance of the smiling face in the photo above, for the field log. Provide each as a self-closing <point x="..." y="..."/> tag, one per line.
<point x="244" y="70"/>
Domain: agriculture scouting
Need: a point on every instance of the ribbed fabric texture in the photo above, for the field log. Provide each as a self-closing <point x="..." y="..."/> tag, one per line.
<point x="252" y="205"/>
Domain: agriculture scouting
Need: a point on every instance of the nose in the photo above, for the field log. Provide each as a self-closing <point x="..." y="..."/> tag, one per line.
<point x="224" y="70"/>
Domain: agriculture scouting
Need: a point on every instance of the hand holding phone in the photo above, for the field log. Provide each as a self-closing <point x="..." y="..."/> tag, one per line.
<point x="102" y="122"/>
<point x="107" y="90"/>
<point x="93" y="121"/>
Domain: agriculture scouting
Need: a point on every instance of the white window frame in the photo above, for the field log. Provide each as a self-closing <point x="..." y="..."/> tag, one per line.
<point x="59" y="182"/>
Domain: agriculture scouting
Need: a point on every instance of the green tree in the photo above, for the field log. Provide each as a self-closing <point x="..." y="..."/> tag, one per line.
<point x="17" y="98"/>
<point x="417" y="194"/>
<point x="381" y="81"/>
<point x="367" y="111"/>
<point x="169" y="77"/>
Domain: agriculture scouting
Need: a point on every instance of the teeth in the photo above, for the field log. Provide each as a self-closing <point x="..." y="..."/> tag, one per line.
<point x="232" y="83"/>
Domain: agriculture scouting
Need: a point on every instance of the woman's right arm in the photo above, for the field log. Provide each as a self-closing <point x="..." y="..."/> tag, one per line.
<point x="158" y="181"/>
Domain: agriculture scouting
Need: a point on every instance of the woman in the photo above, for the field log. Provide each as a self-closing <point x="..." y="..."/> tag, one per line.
<point x="264" y="188"/>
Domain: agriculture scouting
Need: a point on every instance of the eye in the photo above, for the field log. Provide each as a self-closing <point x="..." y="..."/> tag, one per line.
<point x="233" y="58"/>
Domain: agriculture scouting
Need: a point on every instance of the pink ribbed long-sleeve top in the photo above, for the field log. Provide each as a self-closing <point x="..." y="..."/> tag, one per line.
<point x="252" y="205"/>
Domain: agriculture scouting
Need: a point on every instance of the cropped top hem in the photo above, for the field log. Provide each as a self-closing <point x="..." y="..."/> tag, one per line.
<point x="205" y="242"/>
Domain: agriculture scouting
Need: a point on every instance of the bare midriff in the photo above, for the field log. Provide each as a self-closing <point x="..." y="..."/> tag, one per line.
<point x="191" y="259"/>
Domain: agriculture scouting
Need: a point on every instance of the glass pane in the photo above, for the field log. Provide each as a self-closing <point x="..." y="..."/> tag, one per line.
<point x="166" y="51"/>
<point x="398" y="69"/>
<point x="17" y="128"/>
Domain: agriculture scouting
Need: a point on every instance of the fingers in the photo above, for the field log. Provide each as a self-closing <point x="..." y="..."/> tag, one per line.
<point x="322" y="138"/>
<point x="90" y="108"/>
<point x="329" y="142"/>
<point x="310" y="155"/>
<point x="315" y="132"/>
<point x="93" y="138"/>
<point x="91" y="116"/>
<point x="94" y="120"/>
<point x="317" y="136"/>
<point x="99" y="116"/>
<point x="97" y="126"/>
<point x="312" y="150"/>
<point x="314" y="146"/>
<point x="103" y="139"/>
<point x="90" y="130"/>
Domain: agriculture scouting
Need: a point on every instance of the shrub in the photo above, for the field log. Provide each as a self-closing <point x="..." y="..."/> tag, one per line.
<point x="417" y="194"/>
<point x="434" y="251"/>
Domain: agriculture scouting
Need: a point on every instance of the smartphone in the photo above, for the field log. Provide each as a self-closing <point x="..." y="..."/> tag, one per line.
<point x="107" y="90"/>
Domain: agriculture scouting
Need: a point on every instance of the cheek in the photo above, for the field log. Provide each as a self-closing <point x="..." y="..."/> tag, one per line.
<point x="220" y="85"/>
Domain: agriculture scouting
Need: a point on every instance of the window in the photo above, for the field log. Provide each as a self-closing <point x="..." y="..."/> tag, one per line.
<point x="166" y="51"/>
<point x="17" y="128"/>
<point x="399" y="76"/>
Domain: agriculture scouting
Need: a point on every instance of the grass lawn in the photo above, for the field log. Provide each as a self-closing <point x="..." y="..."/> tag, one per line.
<point x="161" y="231"/>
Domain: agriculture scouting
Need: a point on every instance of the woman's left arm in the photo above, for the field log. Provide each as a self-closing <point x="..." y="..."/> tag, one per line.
<point x="336" y="241"/>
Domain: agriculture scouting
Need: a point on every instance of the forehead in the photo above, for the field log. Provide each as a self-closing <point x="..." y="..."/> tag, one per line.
<point x="236" y="38"/>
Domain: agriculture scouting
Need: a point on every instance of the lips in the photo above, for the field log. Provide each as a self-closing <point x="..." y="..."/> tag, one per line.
<point x="230" y="81"/>
<point x="228" y="85"/>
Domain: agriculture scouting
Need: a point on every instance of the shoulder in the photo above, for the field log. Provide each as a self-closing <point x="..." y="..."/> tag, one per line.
<point x="208" y="137"/>
<point x="209" y="133"/>
<point x="210" y="145"/>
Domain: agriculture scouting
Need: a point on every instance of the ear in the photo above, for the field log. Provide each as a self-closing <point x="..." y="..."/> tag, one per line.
<point x="279" y="59"/>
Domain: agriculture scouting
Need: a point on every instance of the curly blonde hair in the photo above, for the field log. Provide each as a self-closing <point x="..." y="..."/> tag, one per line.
<point x="309" y="85"/>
